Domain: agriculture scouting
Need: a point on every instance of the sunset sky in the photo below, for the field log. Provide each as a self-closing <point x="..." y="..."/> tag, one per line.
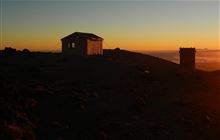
<point x="137" y="25"/>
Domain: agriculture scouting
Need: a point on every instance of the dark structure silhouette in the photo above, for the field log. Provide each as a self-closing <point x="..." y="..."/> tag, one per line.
<point x="82" y="44"/>
<point x="10" y="51"/>
<point x="187" y="59"/>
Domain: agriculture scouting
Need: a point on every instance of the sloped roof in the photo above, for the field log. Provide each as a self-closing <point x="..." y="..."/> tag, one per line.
<point x="82" y="35"/>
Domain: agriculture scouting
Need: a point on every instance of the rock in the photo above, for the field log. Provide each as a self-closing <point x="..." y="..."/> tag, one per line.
<point x="102" y="135"/>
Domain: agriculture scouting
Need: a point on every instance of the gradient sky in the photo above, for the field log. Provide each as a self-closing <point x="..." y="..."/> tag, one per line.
<point x="137" y="25"/>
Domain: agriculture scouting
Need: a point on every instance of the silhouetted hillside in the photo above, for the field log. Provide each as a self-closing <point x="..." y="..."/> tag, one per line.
<point x="121" y="95"/>
<point x="151" y="63"/>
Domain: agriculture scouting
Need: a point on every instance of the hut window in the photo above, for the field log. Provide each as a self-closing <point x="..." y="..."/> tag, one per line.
<point x="71" y="45"/>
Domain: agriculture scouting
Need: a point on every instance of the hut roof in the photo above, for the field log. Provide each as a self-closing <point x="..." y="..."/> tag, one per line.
<point x="82" y="35"/>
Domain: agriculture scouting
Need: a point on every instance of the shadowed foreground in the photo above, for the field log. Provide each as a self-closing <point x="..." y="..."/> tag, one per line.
<point x="122" y="95"/>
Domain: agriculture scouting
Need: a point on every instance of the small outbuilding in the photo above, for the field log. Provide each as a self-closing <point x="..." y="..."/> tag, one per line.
<point x="187" y="58"/>
<point x="82" y="44"/>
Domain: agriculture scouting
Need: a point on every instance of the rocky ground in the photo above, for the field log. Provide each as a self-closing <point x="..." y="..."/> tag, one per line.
<point x="119" y="96"/>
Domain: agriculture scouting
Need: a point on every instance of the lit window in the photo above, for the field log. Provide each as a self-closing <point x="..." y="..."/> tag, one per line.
<point x="71" y="45"/>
